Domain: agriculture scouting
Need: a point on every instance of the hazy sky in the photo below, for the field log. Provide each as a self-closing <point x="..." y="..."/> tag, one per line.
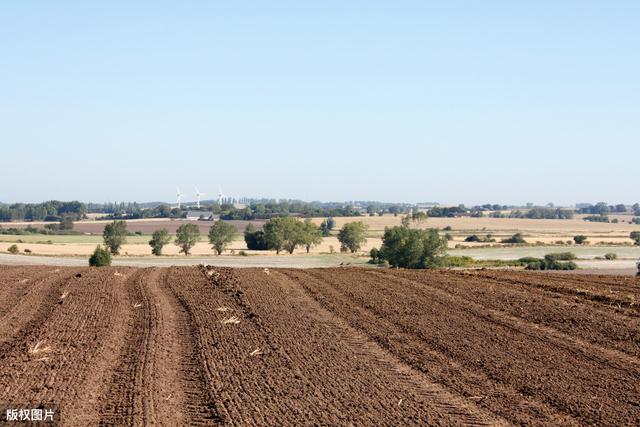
<point x="450" y="101"/>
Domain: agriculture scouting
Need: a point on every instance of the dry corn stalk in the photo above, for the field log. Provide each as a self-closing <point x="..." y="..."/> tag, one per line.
<point x="38" y="348"/>
<point x="233" y="320"/>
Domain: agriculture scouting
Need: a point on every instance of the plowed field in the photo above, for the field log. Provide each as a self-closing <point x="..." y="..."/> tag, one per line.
<point x="348" y="346"/>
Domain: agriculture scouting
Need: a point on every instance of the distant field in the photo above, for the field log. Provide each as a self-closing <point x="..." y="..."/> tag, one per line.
<point x="146" y="226"/>
<point x="67" y="239"/>
<point x="544" y="230"/>
<point x="608" y="237"/>
<point x="631" y="252"/>
<point x="377" y="223"/>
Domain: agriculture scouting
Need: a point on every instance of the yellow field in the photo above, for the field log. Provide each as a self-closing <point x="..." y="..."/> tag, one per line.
<point x="534" y="230"/>
<point x="543" y="230"/>
<point x="201" y="248"/>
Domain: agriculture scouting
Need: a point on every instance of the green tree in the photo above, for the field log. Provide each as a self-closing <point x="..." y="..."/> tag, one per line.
<point x="220" y="235"/>
<point x="13" y="249"/>
<point x="635" y="236"/>
<point x="159" y="238"/>
<point x="187" y="236"/>
<point x="580" y="239"/>
<point x="412" y="248"/>
<point x="311" y="235"/>
<point x="255" y="239"/>
<point x="114" y="236"/>
<point x="352" y="236"/>
<point x="100" y="258"/>
<point x="274" y="233"/>
<point x="324" y="229"/>
<point x="283" y="233"/>
<point x="293" y="235"/>
<point x="331" y="223"/>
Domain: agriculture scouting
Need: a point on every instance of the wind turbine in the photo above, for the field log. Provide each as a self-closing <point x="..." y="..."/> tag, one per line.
<point x="180" y="195"/>
<point x="198" y="196"/>
<point x="220" y="195"/>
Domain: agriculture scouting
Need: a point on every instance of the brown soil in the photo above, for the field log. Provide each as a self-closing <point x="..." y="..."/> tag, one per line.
<point x="219" y="346"/>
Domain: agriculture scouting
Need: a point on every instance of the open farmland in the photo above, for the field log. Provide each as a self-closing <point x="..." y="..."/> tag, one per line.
<point x="542" y="235"/>
<point x="196" y="345"/>
<point x="144" y="226"/>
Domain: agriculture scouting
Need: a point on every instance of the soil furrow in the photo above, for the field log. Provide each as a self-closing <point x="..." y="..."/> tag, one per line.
<point x="59" y="359"/>
<point x="457" y="410"/>
<point x="414" y="348"/>
<point x="605" y="355"/>
<point x="340" y="346"/>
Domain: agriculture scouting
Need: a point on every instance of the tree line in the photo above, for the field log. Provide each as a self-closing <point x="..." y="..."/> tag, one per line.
<point x="52" y="210"/>
<point x="279" y="234"/>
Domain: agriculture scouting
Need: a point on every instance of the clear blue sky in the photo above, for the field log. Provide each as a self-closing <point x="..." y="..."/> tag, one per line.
<point x="451" y="101"/>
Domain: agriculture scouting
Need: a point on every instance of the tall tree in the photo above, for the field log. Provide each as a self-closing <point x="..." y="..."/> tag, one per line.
<point x="114" y="236"/>
<point x="159" y="238"/>
<point x="220" y="235"/>
<point x="311" y="235"/>
<point x="187" y="236"/>
<point x="352" y="236"/>
<point x="283" y="233"/>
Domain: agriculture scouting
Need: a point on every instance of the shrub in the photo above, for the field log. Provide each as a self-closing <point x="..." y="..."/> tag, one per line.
<point x="255" y="239"/>
<point x="475" y="238"/>
<point x="550" y="262"/>
<point x="611" y="256"/>
<point x="515" y="239"/>
<point x="580" y="239"/>
<point x="596" y="218"/>
<point x="375" y="256"/>
<point x="27" y="251"/>
<point x="530" y="259"/>
<point x="413" y="248"/>
<point x="13" y="249"/>
<point x="555" y="265"/>
<point x="568" y="265"/>
<point x="560" y="256"/>
<point x="536" y="265"/>
<point x="635" y="236"/>
<point x="100" y="258"/>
